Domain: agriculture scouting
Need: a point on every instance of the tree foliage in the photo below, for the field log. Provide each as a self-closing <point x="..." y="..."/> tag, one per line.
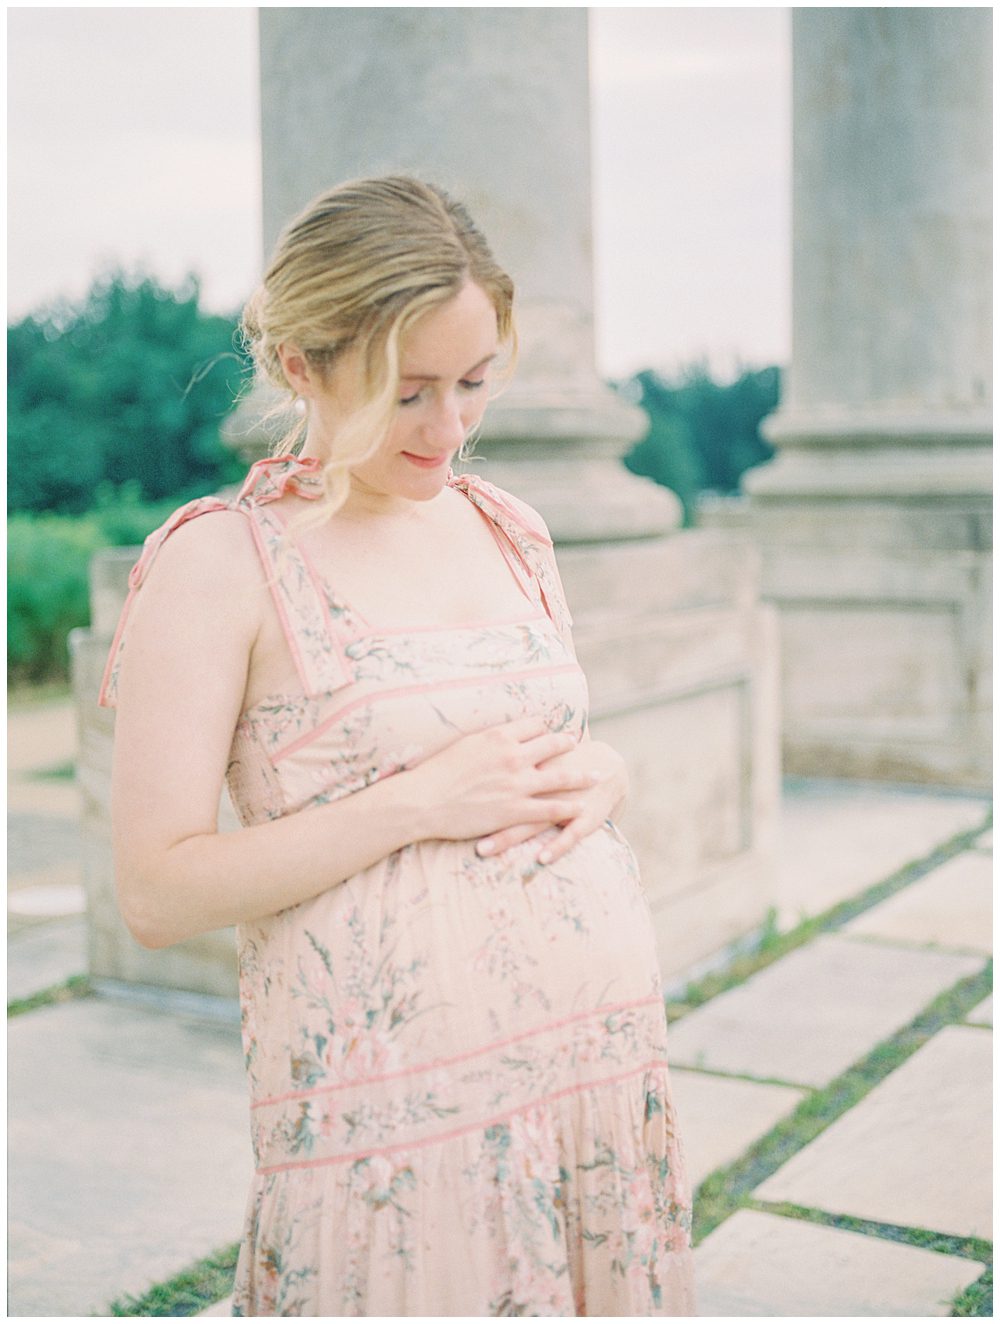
<point x="702" y="435"/>
<point x="127" y="387"/>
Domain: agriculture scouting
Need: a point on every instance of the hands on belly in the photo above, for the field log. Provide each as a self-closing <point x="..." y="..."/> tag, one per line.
<point x="607" y="785"/>
<point x="510" y="782"/>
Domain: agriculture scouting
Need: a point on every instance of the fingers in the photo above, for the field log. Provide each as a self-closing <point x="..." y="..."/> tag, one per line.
<point x="548" y="746"/>
<point x="569" y="780"/>
<point x="508" y="837"/>
<point x="569" y="836"/>
<point x="526" y="728"/>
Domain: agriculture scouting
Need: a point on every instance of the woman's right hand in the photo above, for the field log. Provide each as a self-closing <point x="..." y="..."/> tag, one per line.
<point x="496" y="778"/>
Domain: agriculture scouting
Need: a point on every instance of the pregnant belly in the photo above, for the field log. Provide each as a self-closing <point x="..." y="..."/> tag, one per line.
<point x="437" y="989"/>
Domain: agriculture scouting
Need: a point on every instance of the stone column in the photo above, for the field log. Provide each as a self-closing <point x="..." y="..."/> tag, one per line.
<point x="874" y="518"/>
<point x="493" y="105"/>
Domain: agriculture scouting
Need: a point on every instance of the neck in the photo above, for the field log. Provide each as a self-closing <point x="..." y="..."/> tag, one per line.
<point x="364" y="502"/>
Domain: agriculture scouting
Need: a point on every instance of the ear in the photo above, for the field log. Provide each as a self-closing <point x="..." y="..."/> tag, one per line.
<point x="296" y="368"/>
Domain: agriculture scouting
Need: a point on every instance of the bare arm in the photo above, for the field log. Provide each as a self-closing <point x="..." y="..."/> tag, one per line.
<point x="183" y="677"/>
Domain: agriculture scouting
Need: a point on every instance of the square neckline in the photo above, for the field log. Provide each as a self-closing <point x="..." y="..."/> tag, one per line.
<point x="304" y="484"/>
<point x="370" y="628"/>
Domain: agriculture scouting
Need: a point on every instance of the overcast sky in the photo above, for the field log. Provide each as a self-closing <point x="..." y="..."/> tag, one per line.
<point x="133" y="140"/>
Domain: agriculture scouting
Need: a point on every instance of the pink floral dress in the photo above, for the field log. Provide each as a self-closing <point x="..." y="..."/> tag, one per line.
<point x="460" y="1100"/>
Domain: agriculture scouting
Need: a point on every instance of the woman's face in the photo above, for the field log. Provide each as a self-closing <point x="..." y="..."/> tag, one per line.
<point x="445" y="361"/>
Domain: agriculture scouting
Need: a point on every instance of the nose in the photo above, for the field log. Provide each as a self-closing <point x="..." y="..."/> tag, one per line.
<point x="447" y="428"/>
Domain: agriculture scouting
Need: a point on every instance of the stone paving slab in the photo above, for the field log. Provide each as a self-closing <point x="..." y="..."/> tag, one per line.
<point x="951" y="907"/>
<point x="757" y="1264"/>
<point x="129" y="1151"/>
<point x="838" y="838"/>
<point x="811" y="1014"/>
<point x="915" y="1151"/>
<point x="224" y="1307"/>
<point x="983" y="1013"/>
<point x="719" y="1118"/>
<point x="45" y="954"/>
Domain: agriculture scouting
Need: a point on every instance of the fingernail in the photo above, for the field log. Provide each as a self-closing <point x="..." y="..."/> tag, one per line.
<point x="595" y="777"/>
<point x="485" y="847"/>
<point x="544" y="857"/>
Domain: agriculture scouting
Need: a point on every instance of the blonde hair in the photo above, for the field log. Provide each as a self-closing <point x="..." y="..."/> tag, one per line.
<point x="352" y="272"/>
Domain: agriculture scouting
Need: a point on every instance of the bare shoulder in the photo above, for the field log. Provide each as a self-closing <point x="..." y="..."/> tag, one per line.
<point x="209" y="562"/>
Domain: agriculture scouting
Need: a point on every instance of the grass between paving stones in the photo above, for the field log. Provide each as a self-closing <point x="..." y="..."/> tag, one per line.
<point x="731" y="1188"/>
<point x="189" y="1292"/>
<point x="77" y="986"/>
<point x="977" y="1299"/>
<point x="772" y="945"/>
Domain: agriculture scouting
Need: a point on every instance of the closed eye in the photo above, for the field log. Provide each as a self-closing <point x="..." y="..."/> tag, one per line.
<point x="465" y="384"/>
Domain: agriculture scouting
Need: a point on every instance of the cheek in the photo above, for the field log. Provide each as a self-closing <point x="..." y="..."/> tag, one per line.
<point x="397" y="438"/>
<point x="475" y="407"/>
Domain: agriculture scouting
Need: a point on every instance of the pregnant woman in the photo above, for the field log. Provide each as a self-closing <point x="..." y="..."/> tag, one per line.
<point x="452" y="1018"/>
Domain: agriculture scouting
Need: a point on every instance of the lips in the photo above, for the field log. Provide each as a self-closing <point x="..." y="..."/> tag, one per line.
<point x="426" y="461"/>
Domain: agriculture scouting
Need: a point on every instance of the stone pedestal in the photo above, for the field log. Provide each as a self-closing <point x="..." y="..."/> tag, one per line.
<point x="874" y="519"/>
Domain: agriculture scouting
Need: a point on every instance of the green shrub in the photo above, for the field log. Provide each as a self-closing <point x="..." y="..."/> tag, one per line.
<point x="47" y="596"/>
<point x="129" y="385"/>
<point x="48" y="559"/>
<point x="702" y="435"/>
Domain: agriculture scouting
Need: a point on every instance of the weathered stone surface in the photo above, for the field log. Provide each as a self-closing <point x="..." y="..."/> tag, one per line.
<point x="129" y="1151"/>
<point x="720" y="1118"/>
<point x="757" y="1264"/>
<point x="838" y="838"/>
<point x="915" y="1151"/>
<point x="806" y="1018"/>
<point x="950" y="907"/>
<point x="983" y="1013"/>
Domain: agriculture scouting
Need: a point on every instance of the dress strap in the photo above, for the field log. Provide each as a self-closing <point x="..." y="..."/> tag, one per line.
<point x="301" y="604"/>
<point x="298" y="598"/>
<point x="528" y="547"/>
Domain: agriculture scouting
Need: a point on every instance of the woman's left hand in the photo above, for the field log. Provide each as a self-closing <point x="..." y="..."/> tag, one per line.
<point x="607" y="793"/>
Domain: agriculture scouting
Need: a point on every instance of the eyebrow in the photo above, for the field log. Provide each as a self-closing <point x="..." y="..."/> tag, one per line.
<point x="429" y="377"/>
